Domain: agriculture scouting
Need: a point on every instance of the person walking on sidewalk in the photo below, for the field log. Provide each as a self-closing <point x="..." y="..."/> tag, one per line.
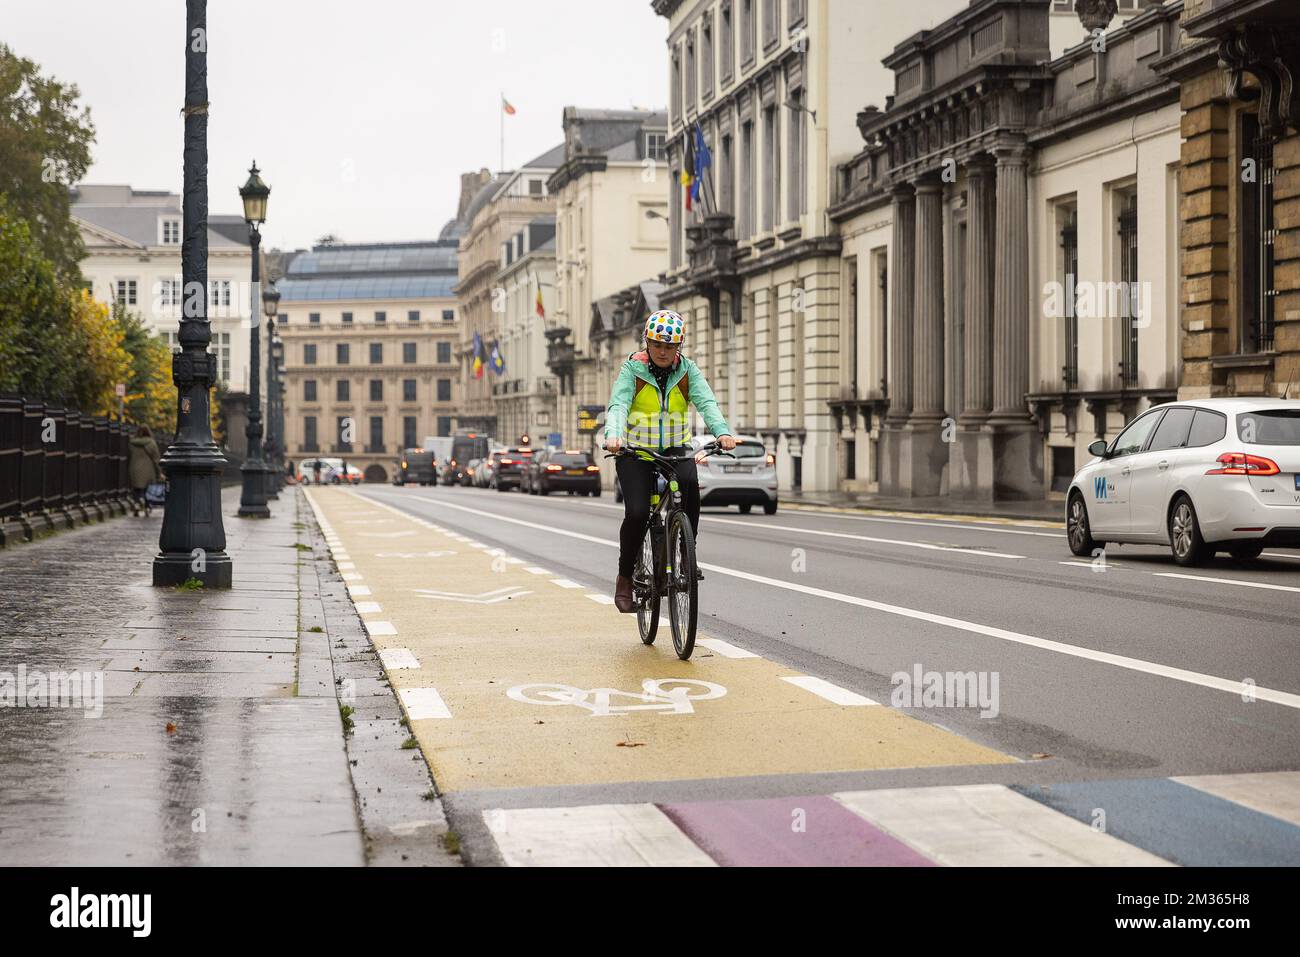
<point x="143" y="468"/>
<point x="648" y="407"/>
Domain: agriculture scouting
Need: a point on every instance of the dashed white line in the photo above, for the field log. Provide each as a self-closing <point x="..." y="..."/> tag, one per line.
<point x="832" y="693"/>
<point x="368" y="607"/>
<point x="600" y="599"/>
<point x="398" y="658"/>
<point x="565" y="583"/>
<point x="422" y="703"/>
<point x="1228" y="581"/>
<point x="720" y="647"/>
<point x="379" y="628"/>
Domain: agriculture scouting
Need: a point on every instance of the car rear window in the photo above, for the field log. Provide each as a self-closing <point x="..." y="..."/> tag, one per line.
<point x="1269" y="427"/>
<point x="570" y="460"/>
<point x="1207" y="428"/>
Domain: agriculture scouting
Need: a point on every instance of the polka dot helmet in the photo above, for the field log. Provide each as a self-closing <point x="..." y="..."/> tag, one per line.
<point x="665" y="326"/>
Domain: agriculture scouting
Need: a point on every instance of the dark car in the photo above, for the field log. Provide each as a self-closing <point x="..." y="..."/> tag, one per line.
<point x="571" y="470"/>
<point x="508" y="470"/>
<point x="467" y="473"/>
<point x="416" y="465"/>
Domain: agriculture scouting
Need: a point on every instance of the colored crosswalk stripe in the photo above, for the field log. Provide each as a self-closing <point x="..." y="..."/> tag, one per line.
<point x="608" y="835"/>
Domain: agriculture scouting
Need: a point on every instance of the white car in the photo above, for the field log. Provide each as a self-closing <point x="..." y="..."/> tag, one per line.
<point x="745" y="478"/>
<point x="1200" y="476"/>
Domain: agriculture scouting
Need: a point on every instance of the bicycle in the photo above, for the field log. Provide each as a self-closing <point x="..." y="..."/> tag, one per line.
<point x="666" y="566"/>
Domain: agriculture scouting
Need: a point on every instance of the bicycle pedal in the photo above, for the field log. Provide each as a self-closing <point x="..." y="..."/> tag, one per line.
<point x="699" y="574"/>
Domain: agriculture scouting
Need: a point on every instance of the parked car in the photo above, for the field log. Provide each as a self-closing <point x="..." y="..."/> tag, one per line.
<point x="1200" y="476"/>
<point x="570" y="470"/>
<point x="509" y="469"/>
<point x="331" y="472"/>
<point x="415" y="465"/>
<point x="747" y="480"/>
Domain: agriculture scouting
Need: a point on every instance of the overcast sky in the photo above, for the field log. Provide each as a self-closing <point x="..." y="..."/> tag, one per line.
<point x="362" y="116"/>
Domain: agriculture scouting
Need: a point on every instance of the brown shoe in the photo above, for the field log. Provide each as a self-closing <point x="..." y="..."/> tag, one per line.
<point x="623" y="595"/>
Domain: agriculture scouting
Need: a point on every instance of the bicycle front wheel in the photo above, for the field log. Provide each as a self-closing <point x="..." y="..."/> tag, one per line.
<point x="682" y="586"/>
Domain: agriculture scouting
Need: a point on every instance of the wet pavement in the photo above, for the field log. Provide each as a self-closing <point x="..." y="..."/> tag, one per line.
<point x="205" y="733"/>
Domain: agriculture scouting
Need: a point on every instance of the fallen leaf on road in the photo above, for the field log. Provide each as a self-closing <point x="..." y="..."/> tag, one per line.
<point x="171" y="727"/>
<point x="631" y="744"/>
<point x="1040" y="755"/>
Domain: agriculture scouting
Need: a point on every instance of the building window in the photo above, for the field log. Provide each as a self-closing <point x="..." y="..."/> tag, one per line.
<point x="342" y="353"/>
<point x="347" y="317"/>
<point x="171" y="232"/>
<point x="413" y="315"/>
<point x="656" y="146"/>
<point x="313" y="318"/>
<point x="771" y="167"/>
<point x="796" y="199"/>
<point x="444" y="352"/>
<point x="169" y="293"/>
<point x="444" y="425"/>
<point x="408" y="390"/>
<point x="219" y="293"/>
<point x="376" y="434"/>
<point x="309" y="354"/>
<point x="343" y="425"/>
<point x="343" y="391"/>
<point x="746" y="32"/>
<point x="706" y="55"/>
<point x="126" y="292"/>
<point x="746" y="181"/>
<point x="408" y="353"/>
<point x="1130" y="296"/>
<point x="676" y="92"/>
<point x="376" y="353"/>
<point x="309" y="390"/>
<point x="797" y="11"/>
<point x="726" y="41"/>
<point x="727" y="177"/>
<point x="408" y="432"/>
<point x="1258" y="287"/>
<point x="1069" y="220"/>
<point x="221" y="344"/>
<point x="381" y="316"/>
<point x="771" y="23"/>
<point x="376" y="390"/>
<point x="448" y="315"/>
<point x="444" y="390"/>
<point x="692" y="72"/>
<point x="309" y="434"/>
<point x="282" y="318"/>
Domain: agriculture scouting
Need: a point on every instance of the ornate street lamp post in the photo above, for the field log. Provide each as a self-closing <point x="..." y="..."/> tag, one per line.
<point x="252" y="503"/>
<point x="271" y="305"/>
<point x="277" y="347"/>
<point x="192" y="543"/>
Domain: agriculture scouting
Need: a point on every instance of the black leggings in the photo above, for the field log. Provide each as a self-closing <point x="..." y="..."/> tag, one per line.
<point x="637" y="478"/>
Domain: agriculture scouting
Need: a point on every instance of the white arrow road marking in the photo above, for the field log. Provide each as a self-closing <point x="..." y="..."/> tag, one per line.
<point x="421" y="703"/>
<point x="486" y="598"/>
<point x="1285" y="698"/>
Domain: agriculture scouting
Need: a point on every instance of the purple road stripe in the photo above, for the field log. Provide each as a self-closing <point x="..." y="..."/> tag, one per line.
<point x="761" y="833"/>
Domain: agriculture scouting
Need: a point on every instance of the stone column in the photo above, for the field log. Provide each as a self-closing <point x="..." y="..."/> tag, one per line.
<point x="1011" y="296"/>
<point x="902" y="275"/>
<point x="981" y="236"/>
<point x="927" y="346"/>
<point x="1017" y="446"/>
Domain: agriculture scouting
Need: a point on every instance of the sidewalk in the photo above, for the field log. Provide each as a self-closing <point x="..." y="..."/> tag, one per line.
<point x="1034" y="510"/>
<point x="210" y="731"/>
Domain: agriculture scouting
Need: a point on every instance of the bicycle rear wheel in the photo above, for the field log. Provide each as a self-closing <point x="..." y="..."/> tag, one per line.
<point x="644" y="589"/>
<point x="682" y="587"/>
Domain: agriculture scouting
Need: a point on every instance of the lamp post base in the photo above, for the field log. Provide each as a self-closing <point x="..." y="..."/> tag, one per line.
<point x="252" y="501"/>
<point x="215" y="569"/>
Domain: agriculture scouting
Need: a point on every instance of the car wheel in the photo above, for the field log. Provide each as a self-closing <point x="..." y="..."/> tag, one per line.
<point x="1185" y="533"/>
<point x="746" y="509"/>
<point x="596" y="493"/>
<point x="769" y="508"/>
<point x="1244" y="553"/>
<point x="1078" y="530"/>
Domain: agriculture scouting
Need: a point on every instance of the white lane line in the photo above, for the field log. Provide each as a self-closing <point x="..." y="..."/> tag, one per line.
<point x="1284" y="698"/>
<point x="720" y="647"/>
<point x="355" y="590"/>
<point x="347" y="566"/>
<point x="352" y="576"/>
<point x="832" y="693"/>
<point x="421" y="703"/>
<point x="536" y="570"/>
<point x="601" y="599"/>
<point x="565" y="583"/>
<point x="605" y="835"/>
<point x="368" y="607"/>
<point x="511" y="560"/>
<point x="1099" y="566"/>
<point x="1293" y="558"/>
<point x="477" y="545"/>
<point x="862" y="538"/>
<point x="398" y="658"/>
<point x="987" y="825"/>
<point x="1227" y="581"/>
<point x="379" y="628"/>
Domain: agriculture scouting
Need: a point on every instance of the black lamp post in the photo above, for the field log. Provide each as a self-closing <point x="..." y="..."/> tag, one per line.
<point x="252" y="503"/>
<point x="271" y="305"/>
<point x="192" y="543"/>
<point x="281" y="463"/>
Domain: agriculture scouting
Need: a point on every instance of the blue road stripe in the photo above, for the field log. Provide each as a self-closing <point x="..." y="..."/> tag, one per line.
<point x="1179" y="823"/>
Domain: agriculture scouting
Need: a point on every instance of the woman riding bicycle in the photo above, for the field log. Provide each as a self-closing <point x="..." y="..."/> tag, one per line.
<point x="655" y="418"/>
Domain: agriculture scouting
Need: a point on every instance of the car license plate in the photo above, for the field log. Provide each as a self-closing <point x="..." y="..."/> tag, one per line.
<point x="736" y="468"/>
<point x="573" y="472"/>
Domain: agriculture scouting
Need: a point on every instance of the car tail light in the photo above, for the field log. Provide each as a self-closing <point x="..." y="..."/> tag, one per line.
<point x="506" y="462"/>
<point x="1243" y="463"/>
<point x="554" y="468"/>
<point x="771" y="459"/>
<point x="593" y="468"/>
<point x="403" y="465"/>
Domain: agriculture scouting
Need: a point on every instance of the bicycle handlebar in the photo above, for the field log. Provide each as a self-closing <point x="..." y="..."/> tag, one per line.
<point x="711" y="448"/>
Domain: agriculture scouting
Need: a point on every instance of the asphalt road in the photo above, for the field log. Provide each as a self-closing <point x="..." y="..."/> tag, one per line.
<point x="1132" y="669"/>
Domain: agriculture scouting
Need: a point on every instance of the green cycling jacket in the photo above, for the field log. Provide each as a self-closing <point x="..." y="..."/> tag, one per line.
<point x="668" y="426"/>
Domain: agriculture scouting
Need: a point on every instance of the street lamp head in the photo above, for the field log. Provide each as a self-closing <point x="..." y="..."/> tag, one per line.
<point x="254" y="194"/>
<point x="271" y="300"/>
<point x="655" y="214"/>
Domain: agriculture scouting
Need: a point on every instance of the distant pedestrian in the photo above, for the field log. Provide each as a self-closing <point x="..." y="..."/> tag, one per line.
<point x="143" y="468"/>
<point x="315" y="467"/>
